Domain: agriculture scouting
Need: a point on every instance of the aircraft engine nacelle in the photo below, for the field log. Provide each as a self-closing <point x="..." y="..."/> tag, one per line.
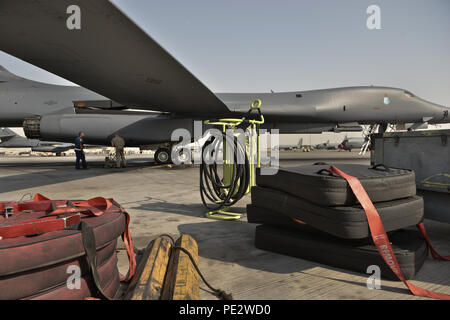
<point x="99" y="129"/>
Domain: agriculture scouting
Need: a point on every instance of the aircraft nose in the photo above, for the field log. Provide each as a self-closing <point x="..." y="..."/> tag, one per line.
<point x="442" y="113"/>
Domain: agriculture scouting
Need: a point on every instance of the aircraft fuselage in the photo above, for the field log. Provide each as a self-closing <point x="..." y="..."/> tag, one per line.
<point x="313" y="111"/>
<point x="364" y="105"/>
<point x="22" y="98"/>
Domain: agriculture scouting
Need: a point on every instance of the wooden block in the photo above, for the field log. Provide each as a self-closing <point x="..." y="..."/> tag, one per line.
<point x="148" y="281"/>
<point x="182" y="278"/>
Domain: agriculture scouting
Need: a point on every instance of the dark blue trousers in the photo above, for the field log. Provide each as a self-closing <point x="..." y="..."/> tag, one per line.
<point x="80" y="157"/>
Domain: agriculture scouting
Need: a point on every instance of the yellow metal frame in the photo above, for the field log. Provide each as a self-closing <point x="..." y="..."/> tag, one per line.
<point x="231" y="123"/>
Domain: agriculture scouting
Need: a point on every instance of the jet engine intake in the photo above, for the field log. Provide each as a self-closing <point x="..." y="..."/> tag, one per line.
<point x="32" y="127"/>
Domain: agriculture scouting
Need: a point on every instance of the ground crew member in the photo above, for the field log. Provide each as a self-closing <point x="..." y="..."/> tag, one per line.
<point x="119" y="144"/>
<point x="79" y="151"/>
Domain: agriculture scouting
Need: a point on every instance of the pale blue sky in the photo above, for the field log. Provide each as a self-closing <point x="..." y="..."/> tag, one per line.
<point x="258" y="45"/>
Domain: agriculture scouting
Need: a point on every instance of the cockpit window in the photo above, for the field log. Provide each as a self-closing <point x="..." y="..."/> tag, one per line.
<point x="409" y="94"/>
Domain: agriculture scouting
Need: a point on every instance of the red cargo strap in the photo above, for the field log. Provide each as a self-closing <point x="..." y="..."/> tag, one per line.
<point x="33" y="226"/>
<point x="126" y="237"/>
<point x="381" y="239"/>
<point x="94" y="207"/>
<point x="434" y="253"/>
<point x="67" y="214"/>
<point x="298" y="221"/>
<point x="39" y="197"/>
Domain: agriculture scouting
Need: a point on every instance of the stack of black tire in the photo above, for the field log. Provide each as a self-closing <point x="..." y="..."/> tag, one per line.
<point x="307" y="213"/>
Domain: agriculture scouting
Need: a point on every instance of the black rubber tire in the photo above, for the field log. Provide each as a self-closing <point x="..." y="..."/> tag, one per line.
<point x="347" y="222"/>
<point x="313" y="183"/>
<point x="163" y="156"/>
<point x="184" y="156"/>
<point x="409" y="247"/>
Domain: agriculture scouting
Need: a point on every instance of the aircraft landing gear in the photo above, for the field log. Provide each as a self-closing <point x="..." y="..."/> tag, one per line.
<point x="184" y="156"/>
<point x="162" y="156"/>
<point x="367" y="132"/>
<point x="382" y="128"/>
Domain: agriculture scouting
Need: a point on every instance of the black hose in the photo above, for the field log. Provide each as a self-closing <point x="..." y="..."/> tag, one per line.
<point x="214" y="193"/>
<point x="218" y="292"/>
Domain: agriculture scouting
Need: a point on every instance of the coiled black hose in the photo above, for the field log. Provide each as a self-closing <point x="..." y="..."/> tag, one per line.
<point x="214" y="193"/>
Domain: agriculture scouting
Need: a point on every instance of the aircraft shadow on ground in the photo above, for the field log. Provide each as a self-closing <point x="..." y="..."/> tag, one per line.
<point x="362" y="284"/>
<point x="233" y="242"/>
<point x="51" y="175"/>
<point x="214" y="243"/>
<point x="306" y="161"/>
<point x="159" y="205"/>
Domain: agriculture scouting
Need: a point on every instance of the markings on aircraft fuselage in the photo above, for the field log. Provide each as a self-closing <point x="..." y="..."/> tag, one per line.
<point x="51" y="102"/>
<point x="153" y="81"/>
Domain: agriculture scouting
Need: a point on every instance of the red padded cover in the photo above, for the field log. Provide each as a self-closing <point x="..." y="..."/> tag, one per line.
<point x="36" y="266"/>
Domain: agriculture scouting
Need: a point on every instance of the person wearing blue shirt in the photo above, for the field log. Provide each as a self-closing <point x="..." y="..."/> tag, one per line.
<point x="79" y="151"/>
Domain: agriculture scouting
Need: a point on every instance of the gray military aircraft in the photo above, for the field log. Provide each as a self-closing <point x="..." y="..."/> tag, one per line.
<point x="10" y="139"/>
<point x="327" y="146"/>
<point x="351" y="143"/>
<point x="290" y="146"/>
<point x="110" y="55"/>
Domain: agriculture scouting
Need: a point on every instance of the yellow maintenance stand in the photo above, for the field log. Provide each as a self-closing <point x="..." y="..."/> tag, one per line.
<point x="240" y="145"/>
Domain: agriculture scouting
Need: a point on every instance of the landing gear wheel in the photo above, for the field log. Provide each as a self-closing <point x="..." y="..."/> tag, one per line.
<point x="162" y="156"/>
<point x="184" y="156"/>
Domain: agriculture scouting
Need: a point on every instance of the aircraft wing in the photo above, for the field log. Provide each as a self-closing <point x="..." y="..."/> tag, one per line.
<point x="109" y="54"/>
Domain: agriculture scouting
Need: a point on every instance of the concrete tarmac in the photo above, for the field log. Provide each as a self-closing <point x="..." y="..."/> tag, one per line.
<point x="167" y="200"/>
